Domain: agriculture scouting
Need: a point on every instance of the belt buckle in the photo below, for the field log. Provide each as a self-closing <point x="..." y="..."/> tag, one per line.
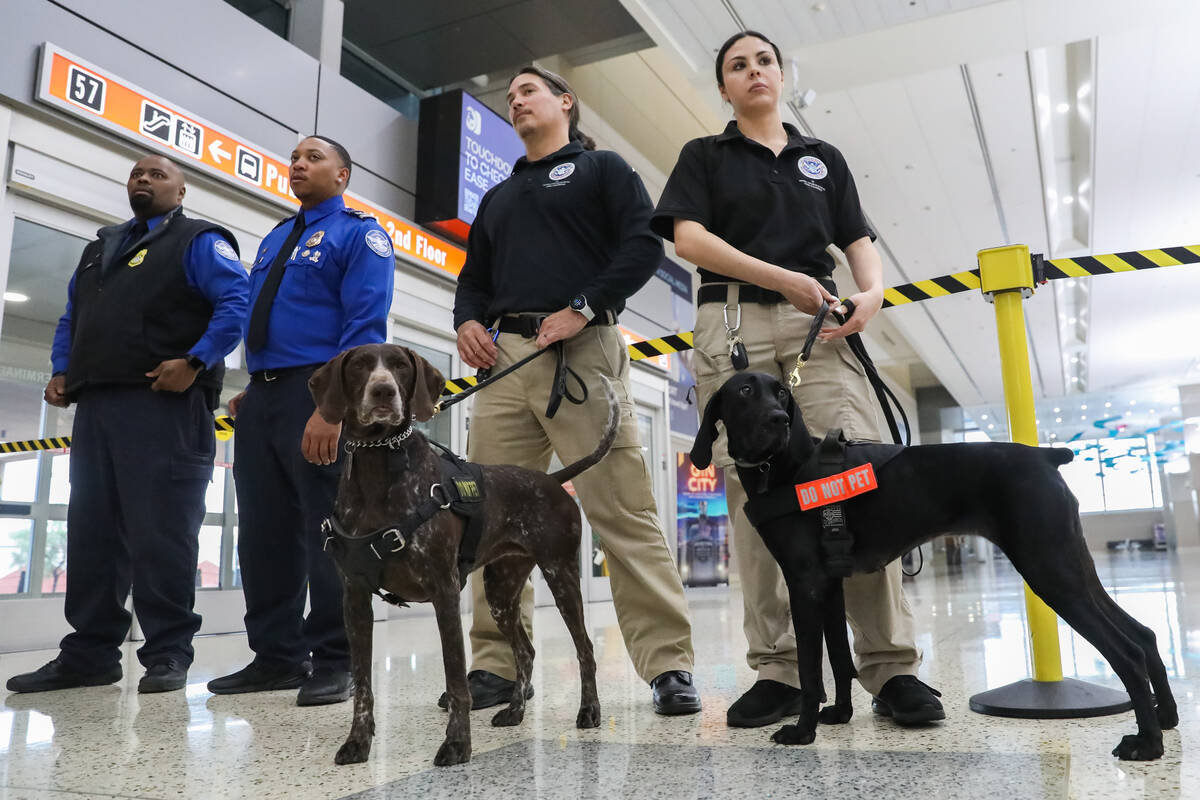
<point x="269" y="376"/>
<point x="533" y="323"/>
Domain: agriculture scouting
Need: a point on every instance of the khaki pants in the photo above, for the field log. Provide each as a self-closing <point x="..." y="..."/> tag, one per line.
<point x="833" y="393"/>
<point x="508" y="426"/>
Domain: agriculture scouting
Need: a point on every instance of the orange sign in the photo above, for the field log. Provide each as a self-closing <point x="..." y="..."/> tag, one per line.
<point x="81" y="89"/>
<point x="836" y="488"/>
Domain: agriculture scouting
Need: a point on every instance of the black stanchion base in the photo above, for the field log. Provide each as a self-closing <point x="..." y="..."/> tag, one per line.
<point x="1066" y="699"/>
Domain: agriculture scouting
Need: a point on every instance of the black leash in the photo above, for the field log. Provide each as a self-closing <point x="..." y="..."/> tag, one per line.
<point x="490" y="379"/>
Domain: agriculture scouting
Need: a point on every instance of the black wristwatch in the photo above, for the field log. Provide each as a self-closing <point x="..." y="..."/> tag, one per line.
<point x="196" y="363"/>
<point x="579" y="303"/>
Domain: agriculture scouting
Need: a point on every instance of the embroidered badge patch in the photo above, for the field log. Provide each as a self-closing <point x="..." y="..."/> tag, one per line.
<point x="812" y="167"/>
<point x="562" y="171"/>
<point x="138" y="258"/>
<point x="836" y="488"/>
<point x="225" y="250"/>
<point x="379" y="243"/>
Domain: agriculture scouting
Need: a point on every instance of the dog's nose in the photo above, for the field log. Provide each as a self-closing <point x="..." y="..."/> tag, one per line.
<point x="382" y="393"/>
<point x="777" y="417"/>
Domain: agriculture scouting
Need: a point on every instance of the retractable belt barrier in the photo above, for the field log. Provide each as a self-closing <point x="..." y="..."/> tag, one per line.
<point x="1043" y="271"/>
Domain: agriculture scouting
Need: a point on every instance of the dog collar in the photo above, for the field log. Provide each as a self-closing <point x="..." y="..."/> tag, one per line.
<point x="353" y="444"/>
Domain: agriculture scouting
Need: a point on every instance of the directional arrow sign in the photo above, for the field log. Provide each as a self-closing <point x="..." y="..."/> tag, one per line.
<point x="216" y="152"/>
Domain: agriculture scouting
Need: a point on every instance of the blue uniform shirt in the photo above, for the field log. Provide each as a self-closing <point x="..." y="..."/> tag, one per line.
<point x="222" y="281"/>
<point x="336" y="289"/>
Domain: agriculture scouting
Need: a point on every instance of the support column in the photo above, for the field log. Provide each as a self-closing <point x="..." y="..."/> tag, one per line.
<point x="316" y="28"/>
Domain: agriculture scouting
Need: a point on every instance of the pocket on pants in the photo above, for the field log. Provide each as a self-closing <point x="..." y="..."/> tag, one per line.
<point x="191" y="467"/>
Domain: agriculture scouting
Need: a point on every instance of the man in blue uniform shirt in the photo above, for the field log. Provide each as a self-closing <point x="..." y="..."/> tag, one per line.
<point x="321" y="283"/>
<point x="153" y="308"/>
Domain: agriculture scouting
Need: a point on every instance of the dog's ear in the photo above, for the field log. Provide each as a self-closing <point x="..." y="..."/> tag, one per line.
<point x="702" y="447"/>
<point x="328" y="388"/>
<point x="427" y="387"/>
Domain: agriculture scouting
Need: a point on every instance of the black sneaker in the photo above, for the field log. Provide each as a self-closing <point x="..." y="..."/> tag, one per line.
<point x="165" y="676"/>
<point x="908" y="701"/>
<point x="256" y="677"/>
<point x="325" y="686"/>
<point x="487" y="689"/>
<point x="57" y="675"/>
<point x="673" y="693"/>
<point x="766" y="702"/>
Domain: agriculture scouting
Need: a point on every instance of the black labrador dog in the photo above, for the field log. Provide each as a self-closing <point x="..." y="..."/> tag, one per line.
<point x="376" y="391"/>
<point x="1009" y="493"/>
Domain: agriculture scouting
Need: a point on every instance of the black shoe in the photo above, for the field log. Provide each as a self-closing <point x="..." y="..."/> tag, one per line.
<point x="256" y="677"/>
<point x="57" y="675"/>
<point x="327" y="685"/>
<point x="908" y="701"/>
<point x="165" y="676"/>
<point x="766" y="702"/>
<point x="674" y="693"/>
<point x="487" y="689"/>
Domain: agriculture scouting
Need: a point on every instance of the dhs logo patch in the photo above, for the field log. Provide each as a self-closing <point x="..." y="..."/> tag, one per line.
<point x="812" y="167"/>
<point x="562" y="171"/>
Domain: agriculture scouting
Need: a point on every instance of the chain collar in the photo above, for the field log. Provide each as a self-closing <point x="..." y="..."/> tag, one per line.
<point x="350" y="445"/>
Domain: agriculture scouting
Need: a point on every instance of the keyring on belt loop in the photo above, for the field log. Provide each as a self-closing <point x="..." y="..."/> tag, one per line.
<point x="732" y="292"/>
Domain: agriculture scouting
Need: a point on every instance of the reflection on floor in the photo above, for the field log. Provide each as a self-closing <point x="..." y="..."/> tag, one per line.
<point x="110" y="742"/>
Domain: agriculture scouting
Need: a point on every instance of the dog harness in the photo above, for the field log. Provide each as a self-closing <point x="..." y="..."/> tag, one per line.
<point x="460" y="491"/>
<point x="837" y="471"/>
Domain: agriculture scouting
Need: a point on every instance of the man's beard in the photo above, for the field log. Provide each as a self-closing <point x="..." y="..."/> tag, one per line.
<point x="141" y="203"/>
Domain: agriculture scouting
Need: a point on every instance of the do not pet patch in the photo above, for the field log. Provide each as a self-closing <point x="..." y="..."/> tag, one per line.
<point x="836" y="488"/>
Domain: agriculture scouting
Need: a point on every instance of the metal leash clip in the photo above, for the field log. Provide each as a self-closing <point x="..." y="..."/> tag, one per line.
<point x="737" y="348"/>
<point x="806" y="352"/>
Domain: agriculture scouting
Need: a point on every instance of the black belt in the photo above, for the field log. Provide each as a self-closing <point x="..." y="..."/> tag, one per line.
<point x="748" y="293"/>
<point x="527" y="324"/>
<point x="271" y="375"/>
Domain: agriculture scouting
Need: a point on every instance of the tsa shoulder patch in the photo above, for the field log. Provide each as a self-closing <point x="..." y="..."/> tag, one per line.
<point x="836" y="488"/>
<point x="225" y="250"/>
<point x="379" y="243"/>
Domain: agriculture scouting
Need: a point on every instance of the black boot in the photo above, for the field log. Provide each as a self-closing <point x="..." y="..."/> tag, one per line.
<point x="57" y="675"/>
<point x="908" y="701"/>
<point x="766" y="702"/>
<point x="487" y="689"/>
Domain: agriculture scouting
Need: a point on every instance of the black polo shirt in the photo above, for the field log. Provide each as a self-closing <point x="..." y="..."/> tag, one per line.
<point x="784" y="210"/>
<point x="574" y="222"/>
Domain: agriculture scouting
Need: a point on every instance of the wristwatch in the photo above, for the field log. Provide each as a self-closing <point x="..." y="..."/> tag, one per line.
<point x="579" y="303"/>
<point x="196" y="363"/>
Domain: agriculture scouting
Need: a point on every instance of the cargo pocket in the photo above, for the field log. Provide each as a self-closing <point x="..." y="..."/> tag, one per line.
<point x="191" y="467"/>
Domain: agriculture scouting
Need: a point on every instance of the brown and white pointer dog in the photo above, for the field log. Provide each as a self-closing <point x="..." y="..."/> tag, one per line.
<point x="1011" y="494"/>
<point x="376" y="391"/>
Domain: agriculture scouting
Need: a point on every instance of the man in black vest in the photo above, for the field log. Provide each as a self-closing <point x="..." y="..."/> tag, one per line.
<point x="153" y="308"/>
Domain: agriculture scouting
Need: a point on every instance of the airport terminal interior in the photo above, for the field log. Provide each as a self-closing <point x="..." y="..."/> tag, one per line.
<point x="1068" y="127"/>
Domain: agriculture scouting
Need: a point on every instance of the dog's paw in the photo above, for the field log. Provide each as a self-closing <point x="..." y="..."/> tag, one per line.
<point x="508" y="717"/>
<point x="589" y="716"/>
<point x="1168" y="716"/>
<point x="453" y="752"/>
<point x="836" y="714"/>
<point x="793" y="734"/>
<point x="353" y="751"/>
<point x="1138" y="747"/>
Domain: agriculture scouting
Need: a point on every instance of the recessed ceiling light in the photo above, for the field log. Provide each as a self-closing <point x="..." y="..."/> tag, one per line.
<point x="1062" y="108"/>
<point x="1108" y="405"/>
<point x="1058" y="419"/>
<point x="15" y="297"/>
<point x="983" y="416"/>
<point x="1082" y="417"/>
<point x="1083" y="407"/>
<point x="1152" y="411"/>
<point x="1068" y="199"/>
<point x="1057" y="410"/>
<point x="1133" y="402"/>
<point x="990" y="426"/>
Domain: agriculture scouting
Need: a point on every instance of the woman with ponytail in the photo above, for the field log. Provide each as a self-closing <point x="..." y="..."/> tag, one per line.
<point x="758" y="208"/>
<point x="554" y="252"/>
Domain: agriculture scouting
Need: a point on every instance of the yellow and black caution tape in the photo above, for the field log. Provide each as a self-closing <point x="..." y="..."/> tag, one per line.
<point x="1055" y="269"/>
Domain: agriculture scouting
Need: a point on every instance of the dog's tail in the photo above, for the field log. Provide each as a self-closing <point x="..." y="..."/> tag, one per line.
<point x="610" y="434"/>
<point x="1059" y="455"/>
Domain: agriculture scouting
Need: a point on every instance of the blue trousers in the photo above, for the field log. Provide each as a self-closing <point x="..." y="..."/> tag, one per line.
<point x="140" y="464"/>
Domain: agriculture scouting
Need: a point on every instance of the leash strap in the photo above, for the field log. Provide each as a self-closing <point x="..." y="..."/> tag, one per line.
<point x="559" y="388"/>
<point x="463" y="395"/>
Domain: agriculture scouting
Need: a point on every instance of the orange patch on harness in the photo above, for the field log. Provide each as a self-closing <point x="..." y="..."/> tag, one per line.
<point x="836" y="488"/>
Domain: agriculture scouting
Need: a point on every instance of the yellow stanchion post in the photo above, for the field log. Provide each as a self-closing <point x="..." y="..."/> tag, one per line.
<point x="1006" y="279"/>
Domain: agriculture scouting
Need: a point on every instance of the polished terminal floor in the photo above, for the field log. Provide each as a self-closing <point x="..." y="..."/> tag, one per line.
<point x="111" y="742"/>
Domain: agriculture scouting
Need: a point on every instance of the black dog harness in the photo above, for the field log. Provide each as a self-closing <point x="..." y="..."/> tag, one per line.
<point x="460" y="491"/>
<point x="834" y="456"/>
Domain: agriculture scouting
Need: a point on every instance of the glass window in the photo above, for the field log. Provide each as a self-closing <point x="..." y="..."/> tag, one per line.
<point x="1112" y="474"/>
<point x="368" y="76"/>
<point x="18" y="476"/>
<point x="16" y="542"/>
<point x="440" y="427"/>
<point x="208" y="563"/>
<point x="271" y="14"/>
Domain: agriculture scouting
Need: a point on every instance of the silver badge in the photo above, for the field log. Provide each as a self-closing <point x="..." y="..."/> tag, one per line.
<point x="224" y="250"/>
<point x="379" y="243"/>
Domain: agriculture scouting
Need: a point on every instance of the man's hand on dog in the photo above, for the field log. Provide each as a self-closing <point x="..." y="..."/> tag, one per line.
<point x="866" y="306"/>
<point x="475" y="345"/>
<point x="320" y="442"/>
<point x="559" y="326"/>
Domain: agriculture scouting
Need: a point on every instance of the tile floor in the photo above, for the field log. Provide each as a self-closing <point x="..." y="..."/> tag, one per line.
<point x="110" y="742"/>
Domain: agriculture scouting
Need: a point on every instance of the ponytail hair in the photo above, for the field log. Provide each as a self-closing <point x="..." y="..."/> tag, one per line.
<point x="558" y="86"/>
